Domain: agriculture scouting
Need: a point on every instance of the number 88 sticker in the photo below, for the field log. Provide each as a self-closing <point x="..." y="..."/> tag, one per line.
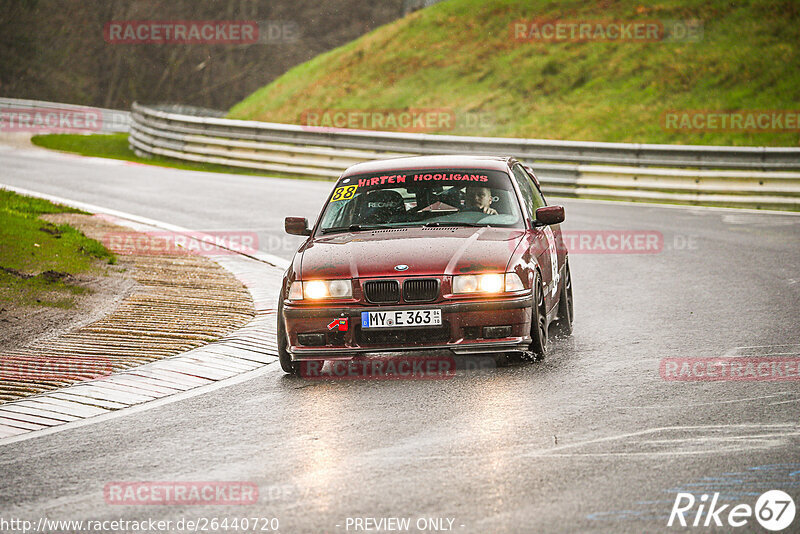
<point x="344" y="193"/>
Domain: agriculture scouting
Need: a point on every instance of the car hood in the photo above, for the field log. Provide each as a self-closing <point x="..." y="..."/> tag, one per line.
<point x="426" y="251"/>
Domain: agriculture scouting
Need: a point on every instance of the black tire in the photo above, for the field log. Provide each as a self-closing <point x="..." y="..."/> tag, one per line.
<point x="288" y="366"/>
<point x="538" y="347"/>
<point x="538" y="322"/>
<point x="563" y="325"/>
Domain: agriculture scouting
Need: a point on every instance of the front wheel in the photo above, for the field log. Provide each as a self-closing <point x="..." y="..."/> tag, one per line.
<point x="538" y="323"/>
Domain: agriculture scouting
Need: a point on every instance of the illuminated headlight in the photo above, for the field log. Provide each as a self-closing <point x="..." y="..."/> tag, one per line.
<point x="478" y="283"/>
<point x="321" y="289"/>
<point x="487" y="283"/>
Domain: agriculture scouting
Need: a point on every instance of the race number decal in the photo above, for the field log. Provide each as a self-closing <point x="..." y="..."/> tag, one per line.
<point x="551" y="247"/>
<point x="344" y="193"/>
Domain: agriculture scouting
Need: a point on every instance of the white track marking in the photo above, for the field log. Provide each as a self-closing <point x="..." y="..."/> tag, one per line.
<point x="786" y="349"/>
<point x="784" y="402"/>
<point x="710" y="403"/>
<point x="777" y="438"/>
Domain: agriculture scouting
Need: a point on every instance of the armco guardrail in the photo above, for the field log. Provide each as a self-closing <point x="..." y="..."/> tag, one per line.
<point x="758" y="177"/>
<point x="110" y="120"/>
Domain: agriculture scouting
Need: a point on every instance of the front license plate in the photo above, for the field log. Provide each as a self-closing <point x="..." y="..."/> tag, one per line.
<point x="402" y="318"/>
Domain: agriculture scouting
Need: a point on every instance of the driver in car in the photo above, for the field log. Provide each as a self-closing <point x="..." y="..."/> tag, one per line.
<point x="479" y="198"/>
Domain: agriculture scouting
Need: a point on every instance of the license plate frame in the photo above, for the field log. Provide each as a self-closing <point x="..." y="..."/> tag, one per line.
<point x="416" y="318"/>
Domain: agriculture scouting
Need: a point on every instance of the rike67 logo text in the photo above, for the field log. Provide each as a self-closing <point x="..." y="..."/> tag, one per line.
<point x="774" y="510"/>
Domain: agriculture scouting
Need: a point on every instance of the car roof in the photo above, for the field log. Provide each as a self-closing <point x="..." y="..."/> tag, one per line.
<point x="498" y="163"/>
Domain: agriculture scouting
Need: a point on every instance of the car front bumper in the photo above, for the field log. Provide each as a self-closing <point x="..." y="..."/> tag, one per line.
<point x="462" y="331"/>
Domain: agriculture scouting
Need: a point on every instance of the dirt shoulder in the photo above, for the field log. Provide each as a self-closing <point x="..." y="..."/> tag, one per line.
<point x="24" y="325"/>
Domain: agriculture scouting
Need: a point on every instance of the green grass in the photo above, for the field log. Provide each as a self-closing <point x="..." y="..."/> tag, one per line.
<point x="115" y="146"/>
<point x="459" y="55"/>
<point x="38" y="258"/>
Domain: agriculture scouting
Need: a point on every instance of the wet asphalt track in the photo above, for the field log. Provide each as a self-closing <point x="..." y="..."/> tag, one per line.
<point x="590" y="439"/>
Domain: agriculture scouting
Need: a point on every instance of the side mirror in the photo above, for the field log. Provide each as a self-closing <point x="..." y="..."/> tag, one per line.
<point x="296" y="226"/>
<point x="550" y="215"/>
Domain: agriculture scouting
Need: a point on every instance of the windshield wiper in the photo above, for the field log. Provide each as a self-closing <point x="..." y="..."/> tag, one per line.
<point x="363" y="227"/>
<point x="451" y="223"/>
<point x="354" y="228"/>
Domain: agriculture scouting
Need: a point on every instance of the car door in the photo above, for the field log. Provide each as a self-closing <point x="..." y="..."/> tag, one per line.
<point x="542" y="240"/>
<point x="560" y="247"/>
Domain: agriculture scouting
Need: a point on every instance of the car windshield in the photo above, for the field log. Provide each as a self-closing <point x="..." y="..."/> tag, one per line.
<point x="449" y="197"/>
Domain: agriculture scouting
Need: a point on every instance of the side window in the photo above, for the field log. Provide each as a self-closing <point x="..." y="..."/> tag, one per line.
<point x="538" y="198"/>
<point x="524" y="184"/>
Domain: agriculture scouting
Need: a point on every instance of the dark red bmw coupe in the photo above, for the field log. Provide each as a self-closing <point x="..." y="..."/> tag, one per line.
<point x="422" y="253"/>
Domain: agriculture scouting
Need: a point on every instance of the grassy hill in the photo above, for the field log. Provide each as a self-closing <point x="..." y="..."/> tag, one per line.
<point x="460" y="55"/>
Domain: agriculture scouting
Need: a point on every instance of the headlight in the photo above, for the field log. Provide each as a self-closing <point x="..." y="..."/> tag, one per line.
<point x="478" y="283"/>
<point x="487" y="283"/>
<point x="321" y="289"/>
